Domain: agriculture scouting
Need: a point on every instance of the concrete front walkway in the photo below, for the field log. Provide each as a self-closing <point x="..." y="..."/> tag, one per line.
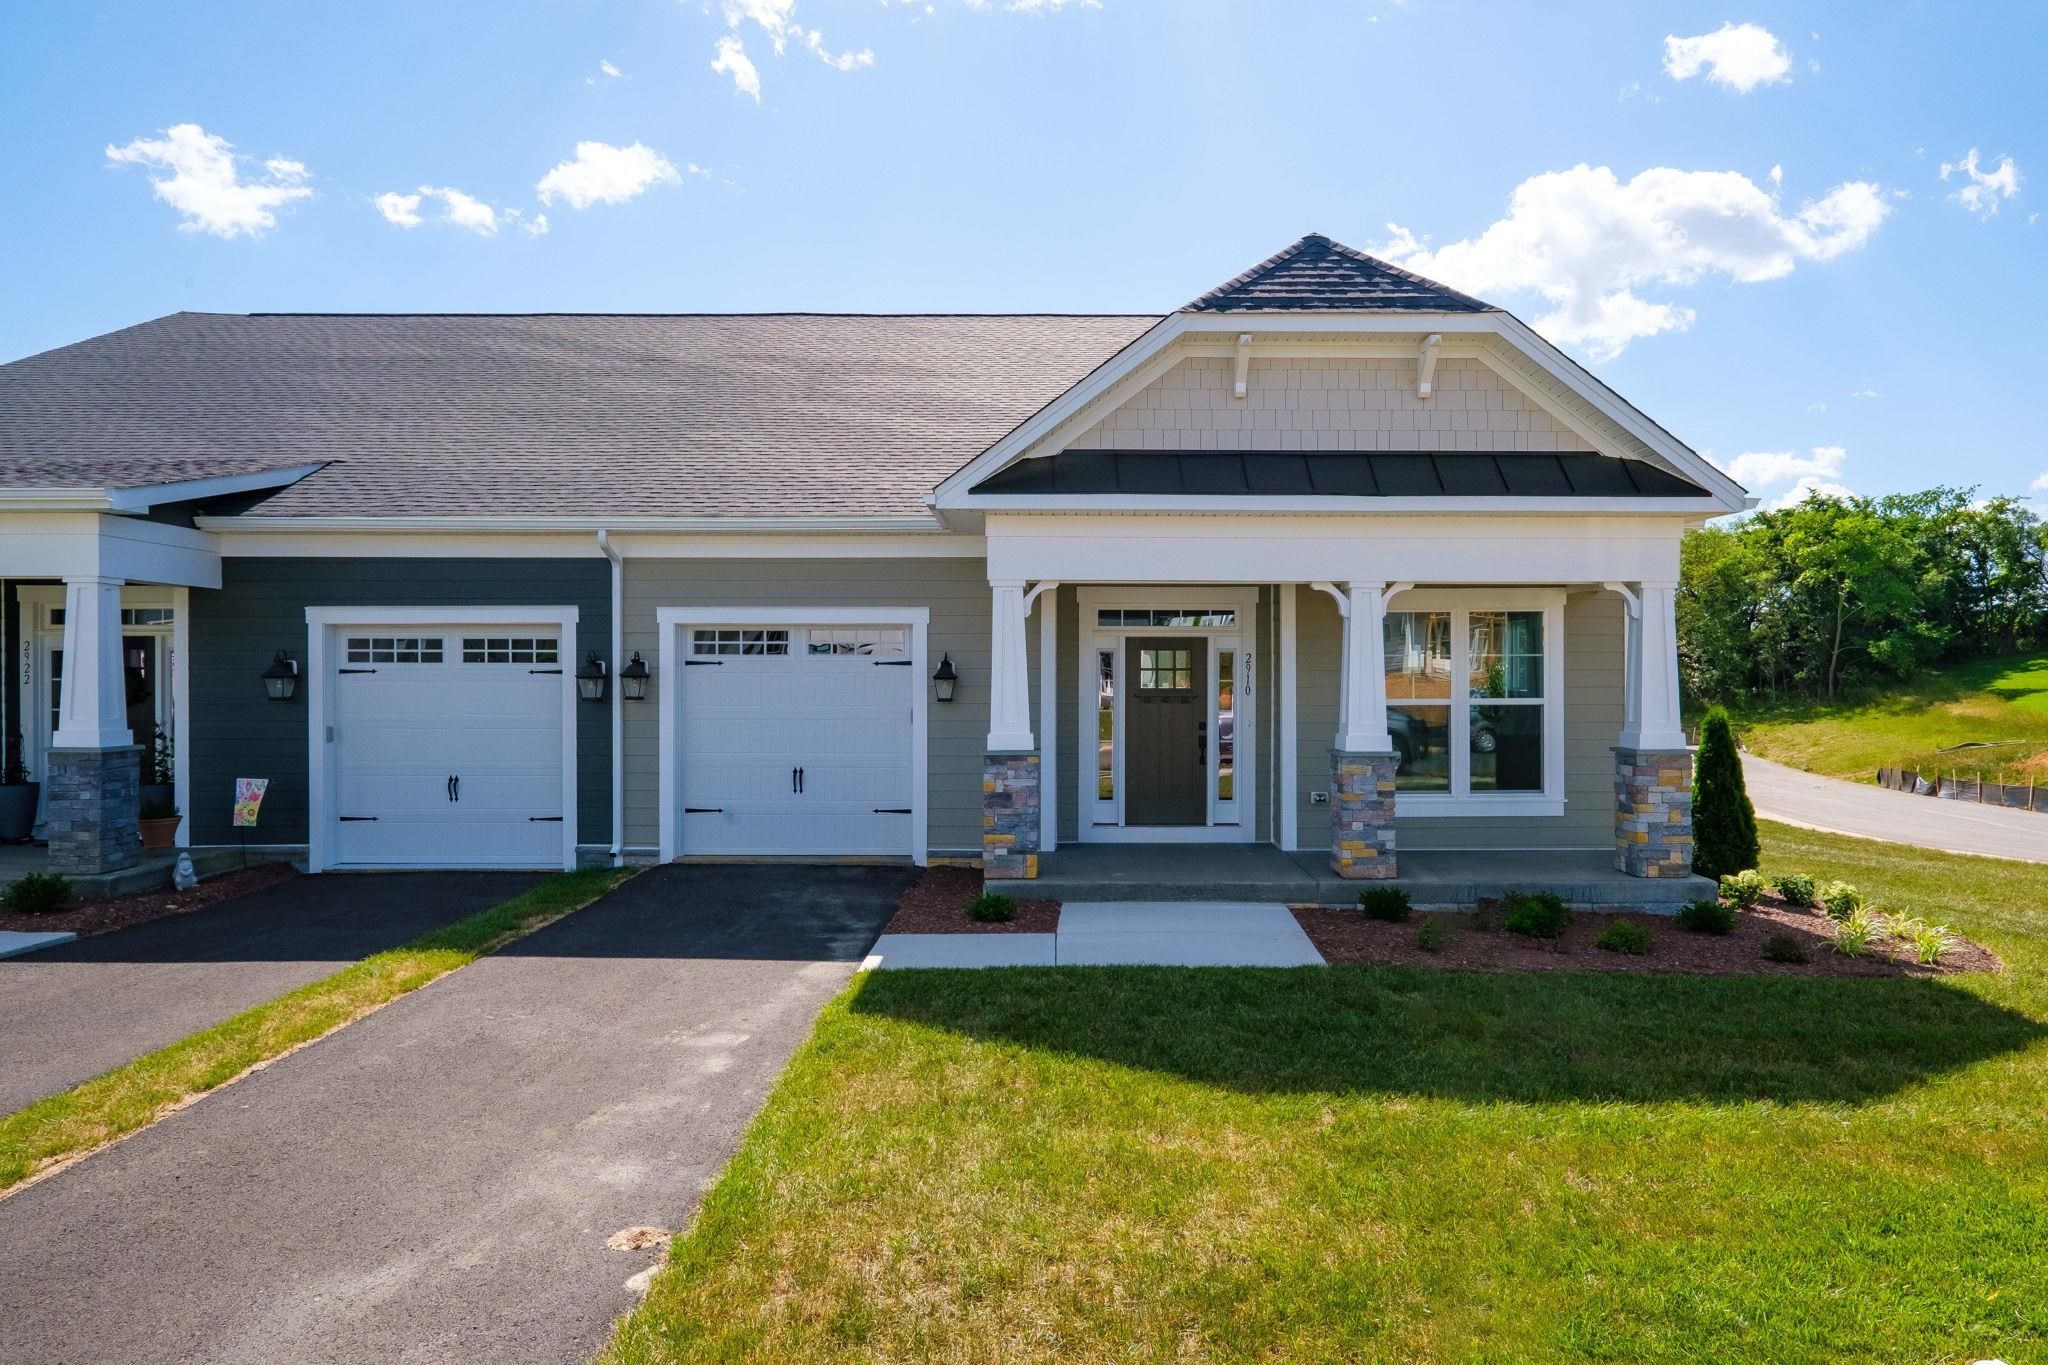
<point x="1869" y="811"/>
<point x="71" y="1012"/>
<point x="436" y="1182"/>
<point x="1121" y="933"/>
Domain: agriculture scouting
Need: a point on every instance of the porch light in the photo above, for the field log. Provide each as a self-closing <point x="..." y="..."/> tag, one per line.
<point x="633" y="679"/>
<point x="281" y="679"/>
<point x="590" y="678"/>
<point x="944" y="681"/>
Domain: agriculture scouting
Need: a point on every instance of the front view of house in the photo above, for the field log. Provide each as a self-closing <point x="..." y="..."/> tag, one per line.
<point x="1334" y="559"/>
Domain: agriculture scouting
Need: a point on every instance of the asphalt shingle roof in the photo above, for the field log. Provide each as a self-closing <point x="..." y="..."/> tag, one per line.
<point x="1319" y="274"/>
<point x="572" y="415"/>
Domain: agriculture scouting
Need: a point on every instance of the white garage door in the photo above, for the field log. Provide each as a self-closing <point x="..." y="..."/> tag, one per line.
<point x="796" y="740"/>
<point x="447" y="747"/>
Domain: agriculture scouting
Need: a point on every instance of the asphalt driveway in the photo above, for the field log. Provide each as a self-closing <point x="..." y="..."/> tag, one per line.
<point x="69" y="1013"/>
<point x="437" y="1181"/>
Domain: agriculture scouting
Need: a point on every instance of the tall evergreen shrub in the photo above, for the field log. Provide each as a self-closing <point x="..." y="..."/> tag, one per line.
<point x="1723" y="821"/>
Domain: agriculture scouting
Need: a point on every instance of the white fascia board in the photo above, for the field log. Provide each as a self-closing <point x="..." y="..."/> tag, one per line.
<point x="54" y="500"/>
<point x="441" y="525"/>
<point x="189" y="490"/>
<point x="1224" y="505"/>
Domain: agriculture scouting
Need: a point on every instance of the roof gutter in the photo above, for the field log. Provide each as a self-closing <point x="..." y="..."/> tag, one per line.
<point x="618" y="848"/>
<point x="612" y="525"/>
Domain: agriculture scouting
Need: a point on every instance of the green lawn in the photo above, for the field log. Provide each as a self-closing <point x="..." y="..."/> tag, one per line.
<point x="1379" y="1163"/>
<point x="2000" y="702"/>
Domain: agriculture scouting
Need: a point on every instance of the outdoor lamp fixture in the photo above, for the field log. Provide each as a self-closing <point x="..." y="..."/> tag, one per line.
<point x="281" y="679"/>
<point x="633" y="679"/>
<point x="590" y="678"/>
<point x="945" y="680"/>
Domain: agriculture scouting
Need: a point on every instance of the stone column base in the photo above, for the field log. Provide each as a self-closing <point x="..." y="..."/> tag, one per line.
<point x="92" y="802"/>
<point x="1009" y="817"/>
<point x="1653" y="812"/>
<point x="1362" y="815"/>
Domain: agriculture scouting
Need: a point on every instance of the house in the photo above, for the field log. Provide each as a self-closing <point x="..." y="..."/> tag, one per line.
<point x="1333" y="558"/>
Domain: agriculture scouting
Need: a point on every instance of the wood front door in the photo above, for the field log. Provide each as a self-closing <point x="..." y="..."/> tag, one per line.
<point x="1166" y="755"/>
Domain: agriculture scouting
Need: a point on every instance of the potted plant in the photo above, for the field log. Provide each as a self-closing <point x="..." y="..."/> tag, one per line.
<point x="158" y="775"/>
<point x="158" y="823"/>
<point x="17" y="794"/>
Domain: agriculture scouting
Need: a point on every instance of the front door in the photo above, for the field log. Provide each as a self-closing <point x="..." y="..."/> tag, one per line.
<point x="1167" y="751"/>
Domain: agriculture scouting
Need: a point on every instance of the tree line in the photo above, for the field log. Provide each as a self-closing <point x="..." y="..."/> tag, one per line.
<point x="1841" y="592"/>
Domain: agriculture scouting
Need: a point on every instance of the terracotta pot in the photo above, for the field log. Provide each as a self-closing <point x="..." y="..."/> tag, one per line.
<point x="18" y="811"/>
<point x="159" y="833"/>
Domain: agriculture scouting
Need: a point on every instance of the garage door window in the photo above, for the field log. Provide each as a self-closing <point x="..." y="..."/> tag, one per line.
<point x="393" y="649"/>
<point x="741" y="640"/>
<point x="509" y="649"/>
<point x="882" y="640"/>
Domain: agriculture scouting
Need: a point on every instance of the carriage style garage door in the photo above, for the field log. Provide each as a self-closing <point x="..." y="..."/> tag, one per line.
<point x="447" y="746"/>
<point x="796" y="739"/>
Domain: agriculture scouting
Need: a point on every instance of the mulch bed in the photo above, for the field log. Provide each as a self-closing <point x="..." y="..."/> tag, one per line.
<point x="937" y="904"/>
<point x="87" y="918"/>
<point x="1477" y="943"/>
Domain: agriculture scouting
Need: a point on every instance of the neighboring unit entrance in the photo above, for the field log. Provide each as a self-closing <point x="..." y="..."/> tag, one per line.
<point x="796" y="739"/>
<point x="1166" y="755"/>
<point x="447" y="746"/>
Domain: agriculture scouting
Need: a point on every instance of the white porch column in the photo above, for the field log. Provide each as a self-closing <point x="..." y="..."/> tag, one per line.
<point x="1009" y="682"/>
<point x="1364" y="706"/>
<point x="93" y="710"/>
<point x="1653" y="721"/>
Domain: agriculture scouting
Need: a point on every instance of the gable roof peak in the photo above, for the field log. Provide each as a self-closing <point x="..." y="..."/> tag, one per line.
<point x="1319" y="274"/>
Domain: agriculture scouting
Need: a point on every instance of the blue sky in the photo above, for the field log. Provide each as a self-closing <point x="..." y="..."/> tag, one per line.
<point x="1854" y="320"/>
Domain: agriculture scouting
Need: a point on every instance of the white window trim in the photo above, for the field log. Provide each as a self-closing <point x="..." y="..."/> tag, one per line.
<point x="321" y="622"/>
<point x="1459" y="602"/>
<point x="668" y="701"/>
<point x="1245" y="602"/>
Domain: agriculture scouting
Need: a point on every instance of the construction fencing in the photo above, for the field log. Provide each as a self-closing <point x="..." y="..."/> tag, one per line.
<point x="1955" y="786"/>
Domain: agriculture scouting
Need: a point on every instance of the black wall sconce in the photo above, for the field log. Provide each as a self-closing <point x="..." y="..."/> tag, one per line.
<point x="633" y="679"/>
<point x="281" y="679"/>
<point x="945" y="680"/>
<point x="590" y="678"/>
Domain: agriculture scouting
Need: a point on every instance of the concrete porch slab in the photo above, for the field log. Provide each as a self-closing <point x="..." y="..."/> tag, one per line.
<point x="960" y="950"/>
<point x="13" y="942"/>
<point x="1182" y="934"/>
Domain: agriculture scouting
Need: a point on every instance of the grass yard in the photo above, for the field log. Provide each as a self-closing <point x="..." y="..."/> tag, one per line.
<point x="1364" y="1163"/>
<point x="1998" y="702"/>
<point x="62" y="1127"/>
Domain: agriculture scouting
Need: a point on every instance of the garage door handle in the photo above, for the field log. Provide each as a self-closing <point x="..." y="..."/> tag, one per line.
<point x="543" y="819"/>
<point x="352" y="819"/>
<point x="703" y="810"/>
<point x="355" y="670"/>
<point x="543" y="670"/>
<point x="454" y="788"/>
<point x="703" y="663"/>
<point x="892" y="810"/>
<point x="799" y="781"/>
<point x="892" y="663"/>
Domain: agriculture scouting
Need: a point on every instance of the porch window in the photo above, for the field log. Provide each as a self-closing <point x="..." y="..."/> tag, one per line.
<point x="1468" y="701"/>
<point x="1418" y="649"/>
<point x="1105" y="725"/>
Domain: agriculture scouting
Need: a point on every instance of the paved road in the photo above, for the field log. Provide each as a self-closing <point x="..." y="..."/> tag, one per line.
<point x="437" y="1181"/>
<point x="1865" y="809"/>
<point x="71" y="1012"/>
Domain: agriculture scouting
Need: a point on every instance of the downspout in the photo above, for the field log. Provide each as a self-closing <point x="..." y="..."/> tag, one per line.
<point x="604" y="543"/>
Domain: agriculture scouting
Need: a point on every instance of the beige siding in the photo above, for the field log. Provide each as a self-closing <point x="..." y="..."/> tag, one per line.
<point x="955" y="590"/>
<point x="1335" y="404"/>
<point x="1592" y="721"/>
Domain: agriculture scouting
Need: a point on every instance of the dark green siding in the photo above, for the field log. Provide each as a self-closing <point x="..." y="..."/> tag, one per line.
<point x="260" y="608"/>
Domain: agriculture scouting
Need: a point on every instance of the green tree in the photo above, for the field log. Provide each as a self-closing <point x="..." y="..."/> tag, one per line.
<point x="1723" y="821"/>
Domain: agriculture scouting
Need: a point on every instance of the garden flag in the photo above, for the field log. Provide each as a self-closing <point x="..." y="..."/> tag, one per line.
<point x="249" y="800"/>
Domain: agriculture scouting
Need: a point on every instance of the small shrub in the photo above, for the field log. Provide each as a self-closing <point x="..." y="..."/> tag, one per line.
<point x="1537" y="915"/>
<point x="1784" y="947"/>
<point x="1929" y="942"/>
<point x="1433" y="936"/>
<point x="1796" y="888"/>
<point x="1624" y="936"/>
<point x="157" y="808"/>
<point x="1723" y="820"/>
<point x="1385" y="902"/>
<point x="992" y="907"/>
<point x="39" y="893"/>
<point x="1744" y="889"/>
<point x="1857" y="933"/>
<point x="1707" y="917"/>
<point x="1839" y="899"/>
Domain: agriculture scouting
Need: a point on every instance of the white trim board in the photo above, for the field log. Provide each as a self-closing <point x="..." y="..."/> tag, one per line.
<point x="320" y="622"/>
<point x="668" y="700"/>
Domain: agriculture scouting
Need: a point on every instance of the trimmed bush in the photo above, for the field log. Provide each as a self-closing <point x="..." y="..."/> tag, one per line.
<point x="1723" y="821"/>
<point x="1744" y="889"/>
<point x="1707" y="917"/>
<point x="1624" y="936"/>
<point x="1784" y="947"/>
<point x="1839" y="899"/>
<point x="1434" y="935"/>
<point x="1384" y="902"/>
<point x="1535" y="915"/>
<point x="39" y="893"/>
<point x="992" y="907"/>
<point x="1796" y="888"/>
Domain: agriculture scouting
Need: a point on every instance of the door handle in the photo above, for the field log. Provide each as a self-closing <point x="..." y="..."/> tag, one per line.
<point x="792" y="782"/>
<point x="454" y="788"/>
<point x="799" y="781"/>
<point x="1202" y="743"/>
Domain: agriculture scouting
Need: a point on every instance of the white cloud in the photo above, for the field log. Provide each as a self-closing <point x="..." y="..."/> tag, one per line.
<point x="1812" y="485"/>
<point x="600" y="173"/>
<point x="1739" y="56"/>
<point x="458" y="209"/>
<point x="1584" y="241"/>
<point x="197" y="174"/>
<point x="536" y="226"/>
<point x="465" y="210"/>
<point x="1984" y="188"/>
<point x="1816" y="406"/>
<point x="2039" y="485"/>
<point x="1768" y="468"/>
<point x="400" y="210"/>
<point x="777" y="19"/>
<point x="732" y="60"/>
<point x="608" y="69"/>
<point x="1865" y="392"/>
